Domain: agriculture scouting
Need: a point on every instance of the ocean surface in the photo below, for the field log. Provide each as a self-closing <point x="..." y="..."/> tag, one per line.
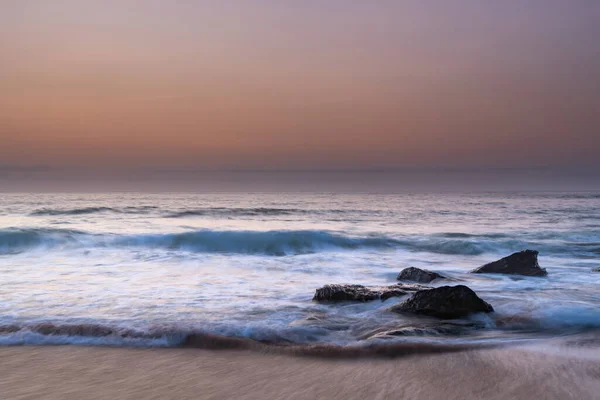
<point x="150" y="269"/>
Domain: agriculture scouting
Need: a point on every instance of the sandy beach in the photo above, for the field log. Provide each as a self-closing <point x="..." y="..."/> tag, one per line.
<point x="71" y="372"/>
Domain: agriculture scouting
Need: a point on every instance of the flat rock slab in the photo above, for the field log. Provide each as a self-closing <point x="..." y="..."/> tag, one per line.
<point x="363" y="293"/>
<point x="522" y="263"/>
<point x="447" y="302"/>
<point x="418" y="275"/>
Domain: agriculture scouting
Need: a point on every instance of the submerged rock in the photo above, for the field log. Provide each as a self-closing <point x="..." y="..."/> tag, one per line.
<point x="418" y="275"/>
<point x="446" y="302"/>
<point x="412" y="287"/>
<point x="363" y="293"/>
<point x="425" y="328"/>
<point x="522" y="263"/>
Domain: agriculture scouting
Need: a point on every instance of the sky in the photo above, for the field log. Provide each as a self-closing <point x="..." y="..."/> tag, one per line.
<point x="116" y="87"/>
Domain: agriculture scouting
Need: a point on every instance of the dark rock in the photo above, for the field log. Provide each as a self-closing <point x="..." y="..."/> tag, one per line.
<point x="446" y="302"/>
<point x="596" y="269"/>
<point x="355" y="293"/>
<point x="418" y="275"/>
<point x="522" y="263"/>
<point x="363" y="293"/>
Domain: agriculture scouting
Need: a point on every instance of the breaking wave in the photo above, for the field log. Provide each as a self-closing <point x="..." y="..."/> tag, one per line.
<point x="13" y="240"/>
<point x="106" y="335"/>
<point x="396" y="343"/>
<point x="292" y="242"/>
<point x="275" y="243"/>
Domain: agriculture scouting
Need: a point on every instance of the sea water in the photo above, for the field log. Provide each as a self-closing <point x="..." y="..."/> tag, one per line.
<point x="149" y="269"/>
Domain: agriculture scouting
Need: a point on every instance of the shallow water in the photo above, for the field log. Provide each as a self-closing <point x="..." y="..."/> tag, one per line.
<point x="150" y="268"/>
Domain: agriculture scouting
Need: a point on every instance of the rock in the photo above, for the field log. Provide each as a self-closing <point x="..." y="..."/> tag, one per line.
<point x="363" y="293"/>
<point x="596" y="269"/>
<point x="412" y="287"/>
<point x="446" y="302"/>
<point x="522" y="263"/>
<point x="418" y="275"/>
<point x="425" y="328"/>
<point x="356" y="293"/>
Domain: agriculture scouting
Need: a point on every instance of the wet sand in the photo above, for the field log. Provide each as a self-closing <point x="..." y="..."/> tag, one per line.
<point x="71" y="372"/>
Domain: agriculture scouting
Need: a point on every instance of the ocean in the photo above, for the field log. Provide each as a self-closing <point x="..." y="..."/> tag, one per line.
<point x="138" y="269"/>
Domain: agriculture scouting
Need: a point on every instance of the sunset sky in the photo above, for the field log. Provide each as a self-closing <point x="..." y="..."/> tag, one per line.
<point x="282" y="84"/>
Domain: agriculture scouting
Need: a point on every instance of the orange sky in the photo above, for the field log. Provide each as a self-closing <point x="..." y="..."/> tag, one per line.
<point x="299" y="84"/>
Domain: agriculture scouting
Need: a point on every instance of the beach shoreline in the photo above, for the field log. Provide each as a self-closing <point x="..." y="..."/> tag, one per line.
<point x="550" y="371"/>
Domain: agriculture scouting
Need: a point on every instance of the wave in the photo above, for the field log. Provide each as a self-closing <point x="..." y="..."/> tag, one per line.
<point x="74" y="211"/>
<point x="453" y="235"/>
<point x="89" y="334"/>
<point x="91" y="210"/>
<point x="198" y="212"/>
<point x="15" y="240"/>
<point x="466" y="244"/>
<point x="47" y="333"/>
<point x="240" y="212"/>
<point x="396" y="343"/>
<point x="294" y="242"/>
<point x="276" y="243"/>
<point x="577" y="196"/>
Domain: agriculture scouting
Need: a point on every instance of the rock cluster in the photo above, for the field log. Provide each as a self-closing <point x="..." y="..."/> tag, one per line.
<point x="446" y="302"/>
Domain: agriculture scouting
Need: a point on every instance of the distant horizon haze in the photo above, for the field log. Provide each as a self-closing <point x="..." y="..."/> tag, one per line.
<point x="376" y="180"/>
